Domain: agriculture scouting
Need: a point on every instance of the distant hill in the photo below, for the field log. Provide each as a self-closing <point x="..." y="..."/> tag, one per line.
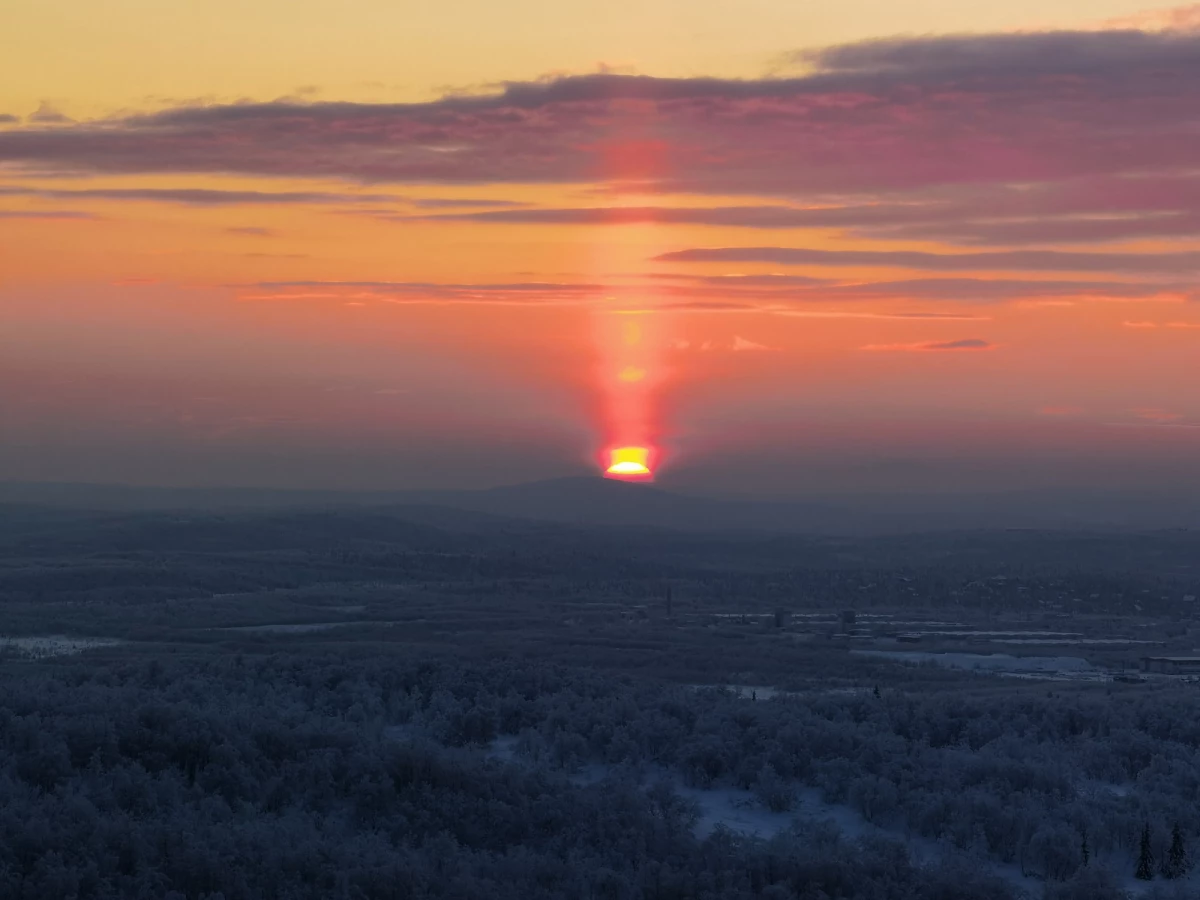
<point x="604" y="502"/>
<point x="611" y="503"/>
<point x="588" y="502"/>
<point x="69" y="495"/>
<point x="599" y="502"/>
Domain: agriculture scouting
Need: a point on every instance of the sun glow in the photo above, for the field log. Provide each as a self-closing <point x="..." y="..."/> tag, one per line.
<point x="629" y="462"/>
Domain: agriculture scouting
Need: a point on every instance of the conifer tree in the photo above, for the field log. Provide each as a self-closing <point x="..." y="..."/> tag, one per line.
<point x="1145" y="866"/>
<point x="1176" y="863"/>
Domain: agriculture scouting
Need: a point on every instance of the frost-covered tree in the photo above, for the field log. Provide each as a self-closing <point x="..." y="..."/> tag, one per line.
<point x="1145" y="864"/>
<point x="775" y="793"/>
<point x="1176" y="863"/>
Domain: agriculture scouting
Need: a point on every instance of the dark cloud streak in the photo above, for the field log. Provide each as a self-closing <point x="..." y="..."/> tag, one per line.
<point x="935" y="346"/>
<point x="1010" y="260"/>
<point x="49" y="214"/>
<point x="196" y="196"/>
<point x="718" y="295"/>
<point x="513" y="293"/>
<point x="462" y="203"/>
<point x="251" y="231"/>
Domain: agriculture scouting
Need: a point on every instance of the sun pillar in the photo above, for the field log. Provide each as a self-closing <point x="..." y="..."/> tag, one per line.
<point x="628" y="325"/>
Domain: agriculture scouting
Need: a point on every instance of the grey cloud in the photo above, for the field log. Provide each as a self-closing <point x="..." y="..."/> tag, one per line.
<point x="528" y="292"/>
<point x="46" y="114"/>
<point x="986" y="290"/>
<point x="856" y="314"/>
<point x="50" y="214"/>
<point x="738" y="281"/>
<point x="6" y="119"/>
<point x="924" y="315"/>
<point x="725" y="216"/>
<point x="428" y="285"/>
<point x="252" y="231"/>
<point x="1009" y="260"/>
<point x="1047" y="231"/>
<point x="734" y="296"/>
<point x="934" y="346"/>
<point x="948" y="290"/>
<point x="196" y="196"/>
<point x="1076" y="210"/>
<point x="459" y="203"/>
<point x="967" y="344"/>
<point x="709" y="306"/>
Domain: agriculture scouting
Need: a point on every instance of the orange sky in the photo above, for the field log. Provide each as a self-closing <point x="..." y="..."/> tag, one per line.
<point x="847" y="259"/>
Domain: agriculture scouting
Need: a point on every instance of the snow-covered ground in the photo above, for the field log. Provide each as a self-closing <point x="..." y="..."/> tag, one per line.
<point x="763" y="692"/>
<point x="1062" y="668"/>
<point x="298" y="628"/>
<point x="745" y="691"/>
<point x="43" y="646"/>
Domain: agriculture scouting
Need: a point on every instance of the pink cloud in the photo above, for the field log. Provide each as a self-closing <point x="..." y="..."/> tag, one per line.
<point x="1063" y="411"/>
<point x="1153" y="414"/>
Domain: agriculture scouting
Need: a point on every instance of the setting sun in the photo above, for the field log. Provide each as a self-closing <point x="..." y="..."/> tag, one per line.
<point x="629" y="462"/>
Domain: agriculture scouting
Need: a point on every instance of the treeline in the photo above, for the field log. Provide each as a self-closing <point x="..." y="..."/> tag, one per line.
<point x="282" y="779"/>
<point x="1049" y="782"/>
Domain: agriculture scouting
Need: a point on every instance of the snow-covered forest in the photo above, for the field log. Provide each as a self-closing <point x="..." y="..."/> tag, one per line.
<point x="393" y="713"/>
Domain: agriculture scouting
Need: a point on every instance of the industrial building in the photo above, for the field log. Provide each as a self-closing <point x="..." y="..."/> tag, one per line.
<point x="1172" y="665"/>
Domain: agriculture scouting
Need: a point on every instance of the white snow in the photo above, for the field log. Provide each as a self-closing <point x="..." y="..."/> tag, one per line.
<point x="43" y="646"/>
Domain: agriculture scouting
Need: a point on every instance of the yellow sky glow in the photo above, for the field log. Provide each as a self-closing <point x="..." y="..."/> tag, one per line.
<point x="91" y="59"/>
